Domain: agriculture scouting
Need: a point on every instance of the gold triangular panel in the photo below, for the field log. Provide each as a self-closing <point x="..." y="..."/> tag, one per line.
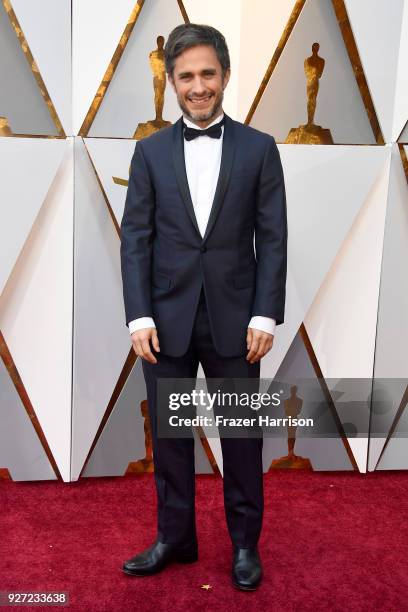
<point x="26" y="106"/>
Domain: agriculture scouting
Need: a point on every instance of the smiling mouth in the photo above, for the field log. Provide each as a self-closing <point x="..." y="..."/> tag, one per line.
<point x="200" y="101"/>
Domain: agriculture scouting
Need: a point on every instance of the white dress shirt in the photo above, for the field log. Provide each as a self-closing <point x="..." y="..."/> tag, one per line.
<point x="203" y="159"/>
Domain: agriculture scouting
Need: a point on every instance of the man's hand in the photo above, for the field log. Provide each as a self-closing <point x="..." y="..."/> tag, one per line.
<point x="141" y="346"/>
<point x="258" y="344"/>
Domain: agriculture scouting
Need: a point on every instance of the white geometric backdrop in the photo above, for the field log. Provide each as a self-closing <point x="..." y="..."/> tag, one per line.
<point x="75" y="85"/>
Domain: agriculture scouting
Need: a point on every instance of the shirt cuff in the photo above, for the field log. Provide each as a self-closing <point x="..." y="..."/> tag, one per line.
<point x="140" y="323"/>
<point x="265" y="324"/>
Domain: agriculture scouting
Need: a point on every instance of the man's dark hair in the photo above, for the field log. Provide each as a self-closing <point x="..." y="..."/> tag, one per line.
<point x="190" y="35"/>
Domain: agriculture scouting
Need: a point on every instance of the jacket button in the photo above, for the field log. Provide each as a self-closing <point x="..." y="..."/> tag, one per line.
<point x="203" y="249"/>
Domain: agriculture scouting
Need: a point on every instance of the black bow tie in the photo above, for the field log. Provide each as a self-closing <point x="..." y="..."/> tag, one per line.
<point x="214" y="131"/>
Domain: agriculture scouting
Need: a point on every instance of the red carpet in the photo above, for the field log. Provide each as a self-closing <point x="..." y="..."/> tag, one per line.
<point x="331" y="541"/>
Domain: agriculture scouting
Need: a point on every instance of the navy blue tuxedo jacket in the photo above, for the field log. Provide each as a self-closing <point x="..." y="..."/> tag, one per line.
<point x="165" y="260"/>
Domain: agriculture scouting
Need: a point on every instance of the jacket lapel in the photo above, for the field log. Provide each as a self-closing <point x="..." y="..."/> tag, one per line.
<point x="180" y="170"/>
<point x="227" y="158"/>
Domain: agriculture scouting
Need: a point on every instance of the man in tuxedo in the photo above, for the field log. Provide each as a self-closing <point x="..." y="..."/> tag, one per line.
<point x="196" y="292"/>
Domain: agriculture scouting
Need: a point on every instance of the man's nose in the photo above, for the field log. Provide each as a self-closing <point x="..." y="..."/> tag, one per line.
<point x="198" y="86"/>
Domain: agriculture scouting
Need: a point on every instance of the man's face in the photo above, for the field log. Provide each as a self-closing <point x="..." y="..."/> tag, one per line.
<point x="199" y="85"/>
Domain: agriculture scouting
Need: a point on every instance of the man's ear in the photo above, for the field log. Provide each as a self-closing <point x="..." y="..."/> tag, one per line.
<point x="226" y="78"/>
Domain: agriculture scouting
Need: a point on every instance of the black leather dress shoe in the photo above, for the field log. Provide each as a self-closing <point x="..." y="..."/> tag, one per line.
<point x="157" y="556"/>
<point x="246" y="568"/>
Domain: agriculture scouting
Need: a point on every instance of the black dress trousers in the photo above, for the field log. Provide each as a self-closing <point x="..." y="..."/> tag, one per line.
<point x="174" y="457"/>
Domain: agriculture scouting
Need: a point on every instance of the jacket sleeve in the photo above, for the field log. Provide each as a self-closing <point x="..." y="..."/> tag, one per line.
<point x="137" y="231"/>
<point x="271" y="235"/>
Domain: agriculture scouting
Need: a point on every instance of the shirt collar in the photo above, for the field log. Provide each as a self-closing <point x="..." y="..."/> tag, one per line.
<point x="196" y="127"/>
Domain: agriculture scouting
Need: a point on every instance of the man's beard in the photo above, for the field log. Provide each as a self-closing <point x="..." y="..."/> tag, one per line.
<point x="200" y="116"/>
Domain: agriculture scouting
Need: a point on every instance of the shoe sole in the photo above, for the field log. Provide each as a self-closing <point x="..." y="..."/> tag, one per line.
<point x="184" y="560"/>
<point x="244" y="588"/>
